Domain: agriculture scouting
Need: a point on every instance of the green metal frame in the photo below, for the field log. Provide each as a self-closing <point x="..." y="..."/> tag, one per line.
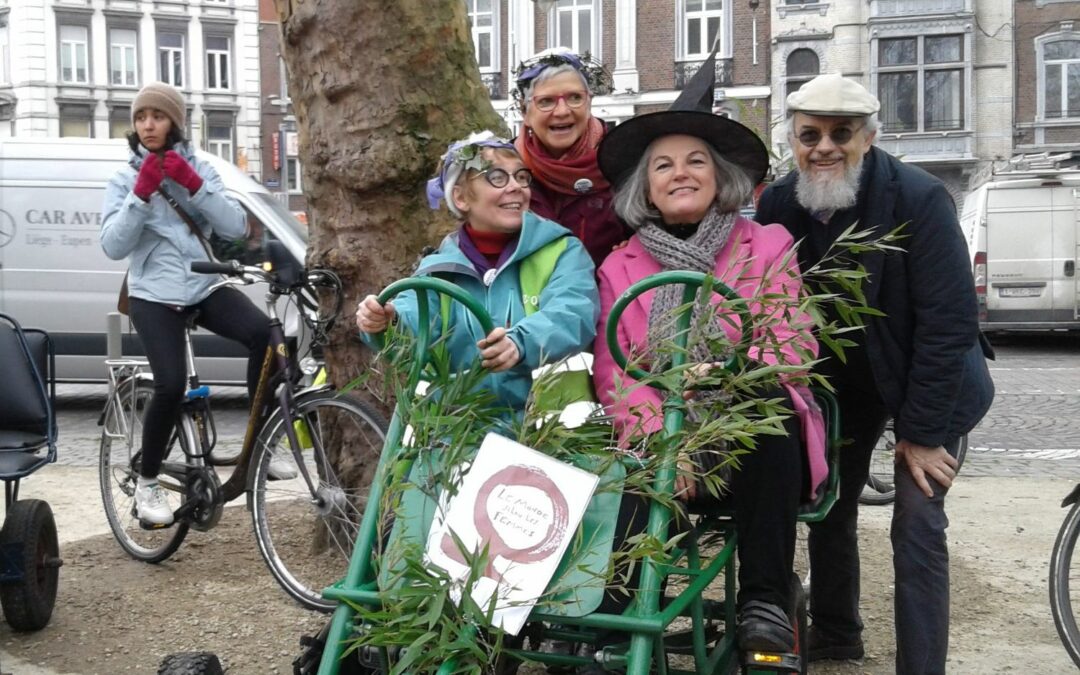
<point x="648" y="619"/>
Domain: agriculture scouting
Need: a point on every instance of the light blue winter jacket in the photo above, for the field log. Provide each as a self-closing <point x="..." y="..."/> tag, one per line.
<point x="161" y="247"/>
<point x="565" y="323"/>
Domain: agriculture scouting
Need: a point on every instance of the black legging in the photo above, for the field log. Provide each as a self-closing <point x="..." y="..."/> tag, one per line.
<point x="226" y="312"/>
<point x="765" y="491"/>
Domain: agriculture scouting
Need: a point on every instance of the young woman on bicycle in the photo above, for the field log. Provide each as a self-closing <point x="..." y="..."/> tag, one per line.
<point x="483" y="181"/>
<point x="141" y="225"/>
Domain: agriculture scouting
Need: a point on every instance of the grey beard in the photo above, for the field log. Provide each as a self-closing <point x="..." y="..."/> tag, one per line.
<point x="828" y="194"/>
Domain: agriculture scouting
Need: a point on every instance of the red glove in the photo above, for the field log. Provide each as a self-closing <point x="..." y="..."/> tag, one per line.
<point x="177" y="168"/>
<point x="149" y="178"/>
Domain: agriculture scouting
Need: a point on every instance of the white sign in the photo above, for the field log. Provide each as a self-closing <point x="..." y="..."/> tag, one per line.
<point x="524" y="507"/>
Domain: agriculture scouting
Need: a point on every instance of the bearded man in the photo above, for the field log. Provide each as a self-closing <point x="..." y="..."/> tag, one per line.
<point x="923" y="363"/>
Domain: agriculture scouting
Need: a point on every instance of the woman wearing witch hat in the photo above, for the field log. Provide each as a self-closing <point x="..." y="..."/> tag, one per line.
<point x="680" y="178"/>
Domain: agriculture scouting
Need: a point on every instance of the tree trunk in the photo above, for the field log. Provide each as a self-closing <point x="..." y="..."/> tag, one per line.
<point x="379" y="89"/>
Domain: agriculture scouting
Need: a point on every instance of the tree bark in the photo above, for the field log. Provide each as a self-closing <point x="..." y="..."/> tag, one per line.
<point x="379" y="89"/>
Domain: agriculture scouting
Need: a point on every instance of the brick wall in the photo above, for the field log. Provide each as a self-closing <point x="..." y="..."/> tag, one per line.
<point x="1069" y="135"/>
<point x="506" y="70"/>
<point x="540" y="20"/>
<point x="655" y="44"/>
<point x="743" y="44"/>
<point x="270" y="86"/>
<point x="607" y="33"/>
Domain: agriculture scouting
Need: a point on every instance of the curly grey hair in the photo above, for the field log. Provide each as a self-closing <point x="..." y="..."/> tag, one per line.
<point x="733" y="189"/>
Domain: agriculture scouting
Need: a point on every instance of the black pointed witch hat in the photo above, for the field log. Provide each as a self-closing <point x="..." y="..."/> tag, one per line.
<point x="690" y="114"/>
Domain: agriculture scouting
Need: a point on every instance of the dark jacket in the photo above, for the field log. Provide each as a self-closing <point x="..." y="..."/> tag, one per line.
<point x="927" y="355"/>
<point x="590" y="217"/>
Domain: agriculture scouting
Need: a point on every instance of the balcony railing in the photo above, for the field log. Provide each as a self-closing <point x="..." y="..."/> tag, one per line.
<point x="493" y="82"/>
<point x="684" y="70"/>
<point x="886" y="8"/>
<point x="929" y="146"/>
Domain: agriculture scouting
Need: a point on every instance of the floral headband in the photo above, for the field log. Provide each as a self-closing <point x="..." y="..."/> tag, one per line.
<point x="596" y="76"/>
<point x="461" y="156"/>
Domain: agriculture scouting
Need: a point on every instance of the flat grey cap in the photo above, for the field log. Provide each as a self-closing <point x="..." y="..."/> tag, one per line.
<point x="833" y="95"/>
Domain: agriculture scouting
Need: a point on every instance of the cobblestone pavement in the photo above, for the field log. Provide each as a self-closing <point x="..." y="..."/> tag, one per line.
<point x="1033" y="428"/>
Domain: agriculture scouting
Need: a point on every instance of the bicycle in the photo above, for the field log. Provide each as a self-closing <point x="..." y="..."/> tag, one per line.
<point x="1063" y="586"/>
<point x="305" y="524"/>
<point x="880" y="489"/>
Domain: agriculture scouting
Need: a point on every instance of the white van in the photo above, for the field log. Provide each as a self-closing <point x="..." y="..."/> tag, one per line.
<point x="1022" y="237"/>
<point x="53" y="273"/>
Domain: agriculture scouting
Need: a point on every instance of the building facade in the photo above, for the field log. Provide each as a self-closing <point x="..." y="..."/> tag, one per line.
<point x="651" y="48"/>
<point x="280" y="159"/>
<point x="932" y="63"/>
<point x="1047" y="43"/>
<point x="73" y="67"/>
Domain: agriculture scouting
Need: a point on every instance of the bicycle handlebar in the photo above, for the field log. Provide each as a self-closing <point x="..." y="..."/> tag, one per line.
<point x="692" y="281"/>
<point x="302" y="287"/>
<point x="231" y="268"/>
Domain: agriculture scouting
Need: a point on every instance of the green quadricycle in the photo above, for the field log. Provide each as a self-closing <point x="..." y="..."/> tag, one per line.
<point x="682" y="613"/>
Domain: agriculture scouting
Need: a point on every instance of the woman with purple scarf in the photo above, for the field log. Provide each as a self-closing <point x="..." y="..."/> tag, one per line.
<point x="486" y="185"/>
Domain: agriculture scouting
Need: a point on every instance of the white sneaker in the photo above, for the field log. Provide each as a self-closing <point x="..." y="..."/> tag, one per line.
<point x="282" y="466"/>
<point x="152" y="505"/>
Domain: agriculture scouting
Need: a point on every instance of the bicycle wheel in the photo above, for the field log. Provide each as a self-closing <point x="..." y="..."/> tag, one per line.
<point x="879" y="488"/>
<point x="307" y="539"/>
<point x="1065" y="584"/>
<point x="121" y="438"/>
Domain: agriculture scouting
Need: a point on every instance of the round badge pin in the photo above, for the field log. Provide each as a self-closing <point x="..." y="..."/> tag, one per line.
<point x="582" y="185"/>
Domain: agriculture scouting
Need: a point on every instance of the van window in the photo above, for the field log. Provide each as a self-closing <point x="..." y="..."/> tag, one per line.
<point x="249" y="250"/>
<point x="283" y="215"/>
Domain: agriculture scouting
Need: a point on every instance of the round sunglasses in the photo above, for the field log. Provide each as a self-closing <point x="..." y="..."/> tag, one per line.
<point x="839" y="136"/>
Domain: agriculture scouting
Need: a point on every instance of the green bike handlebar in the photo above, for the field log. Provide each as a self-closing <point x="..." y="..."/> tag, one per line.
<point x="442" y="287"/>
<point x="692" y="281"/>
<point x="423" y="337"/>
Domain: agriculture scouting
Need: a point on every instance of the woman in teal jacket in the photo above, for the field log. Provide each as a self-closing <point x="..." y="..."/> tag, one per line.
<point x="483" y="182"/>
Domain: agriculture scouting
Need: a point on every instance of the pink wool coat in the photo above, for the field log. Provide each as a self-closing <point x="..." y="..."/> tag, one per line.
<point x="751" y="263"/>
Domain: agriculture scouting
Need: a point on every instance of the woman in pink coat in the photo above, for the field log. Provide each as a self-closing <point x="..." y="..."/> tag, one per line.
<point x="680" y="179"/>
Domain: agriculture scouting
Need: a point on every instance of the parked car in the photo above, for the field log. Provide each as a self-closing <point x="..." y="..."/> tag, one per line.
<point x="1022" y="237"/>
<point x="54" y="275"/>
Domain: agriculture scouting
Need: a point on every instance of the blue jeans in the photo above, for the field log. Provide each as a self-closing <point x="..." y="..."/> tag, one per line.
<point x="920" y="552"/>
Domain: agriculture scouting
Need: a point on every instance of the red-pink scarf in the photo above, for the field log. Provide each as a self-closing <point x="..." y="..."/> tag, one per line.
<point x="578" y="162"/>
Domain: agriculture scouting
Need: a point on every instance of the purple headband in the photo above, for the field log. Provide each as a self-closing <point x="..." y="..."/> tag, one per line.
<point x="549" y="60"/>
<point x="459" y="156"/>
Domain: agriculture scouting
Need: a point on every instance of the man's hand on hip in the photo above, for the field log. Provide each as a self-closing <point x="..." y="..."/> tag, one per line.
<point x="927" y="463"/>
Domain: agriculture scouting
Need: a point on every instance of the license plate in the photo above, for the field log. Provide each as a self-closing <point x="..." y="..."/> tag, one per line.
<point x="1020" y="292"/>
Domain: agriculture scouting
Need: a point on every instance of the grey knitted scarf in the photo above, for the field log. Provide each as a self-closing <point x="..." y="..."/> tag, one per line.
<point x="697" y="254"/>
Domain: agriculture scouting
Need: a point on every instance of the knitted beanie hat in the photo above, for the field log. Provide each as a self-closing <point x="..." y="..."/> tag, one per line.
<point x="165" y="98"/>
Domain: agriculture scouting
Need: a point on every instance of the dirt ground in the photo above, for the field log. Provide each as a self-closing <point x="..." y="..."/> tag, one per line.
<point x="115" y="615"/>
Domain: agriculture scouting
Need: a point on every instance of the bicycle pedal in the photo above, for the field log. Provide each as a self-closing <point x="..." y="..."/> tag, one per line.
<point x="146" y="525"/>
<point x="771" y="662"/>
